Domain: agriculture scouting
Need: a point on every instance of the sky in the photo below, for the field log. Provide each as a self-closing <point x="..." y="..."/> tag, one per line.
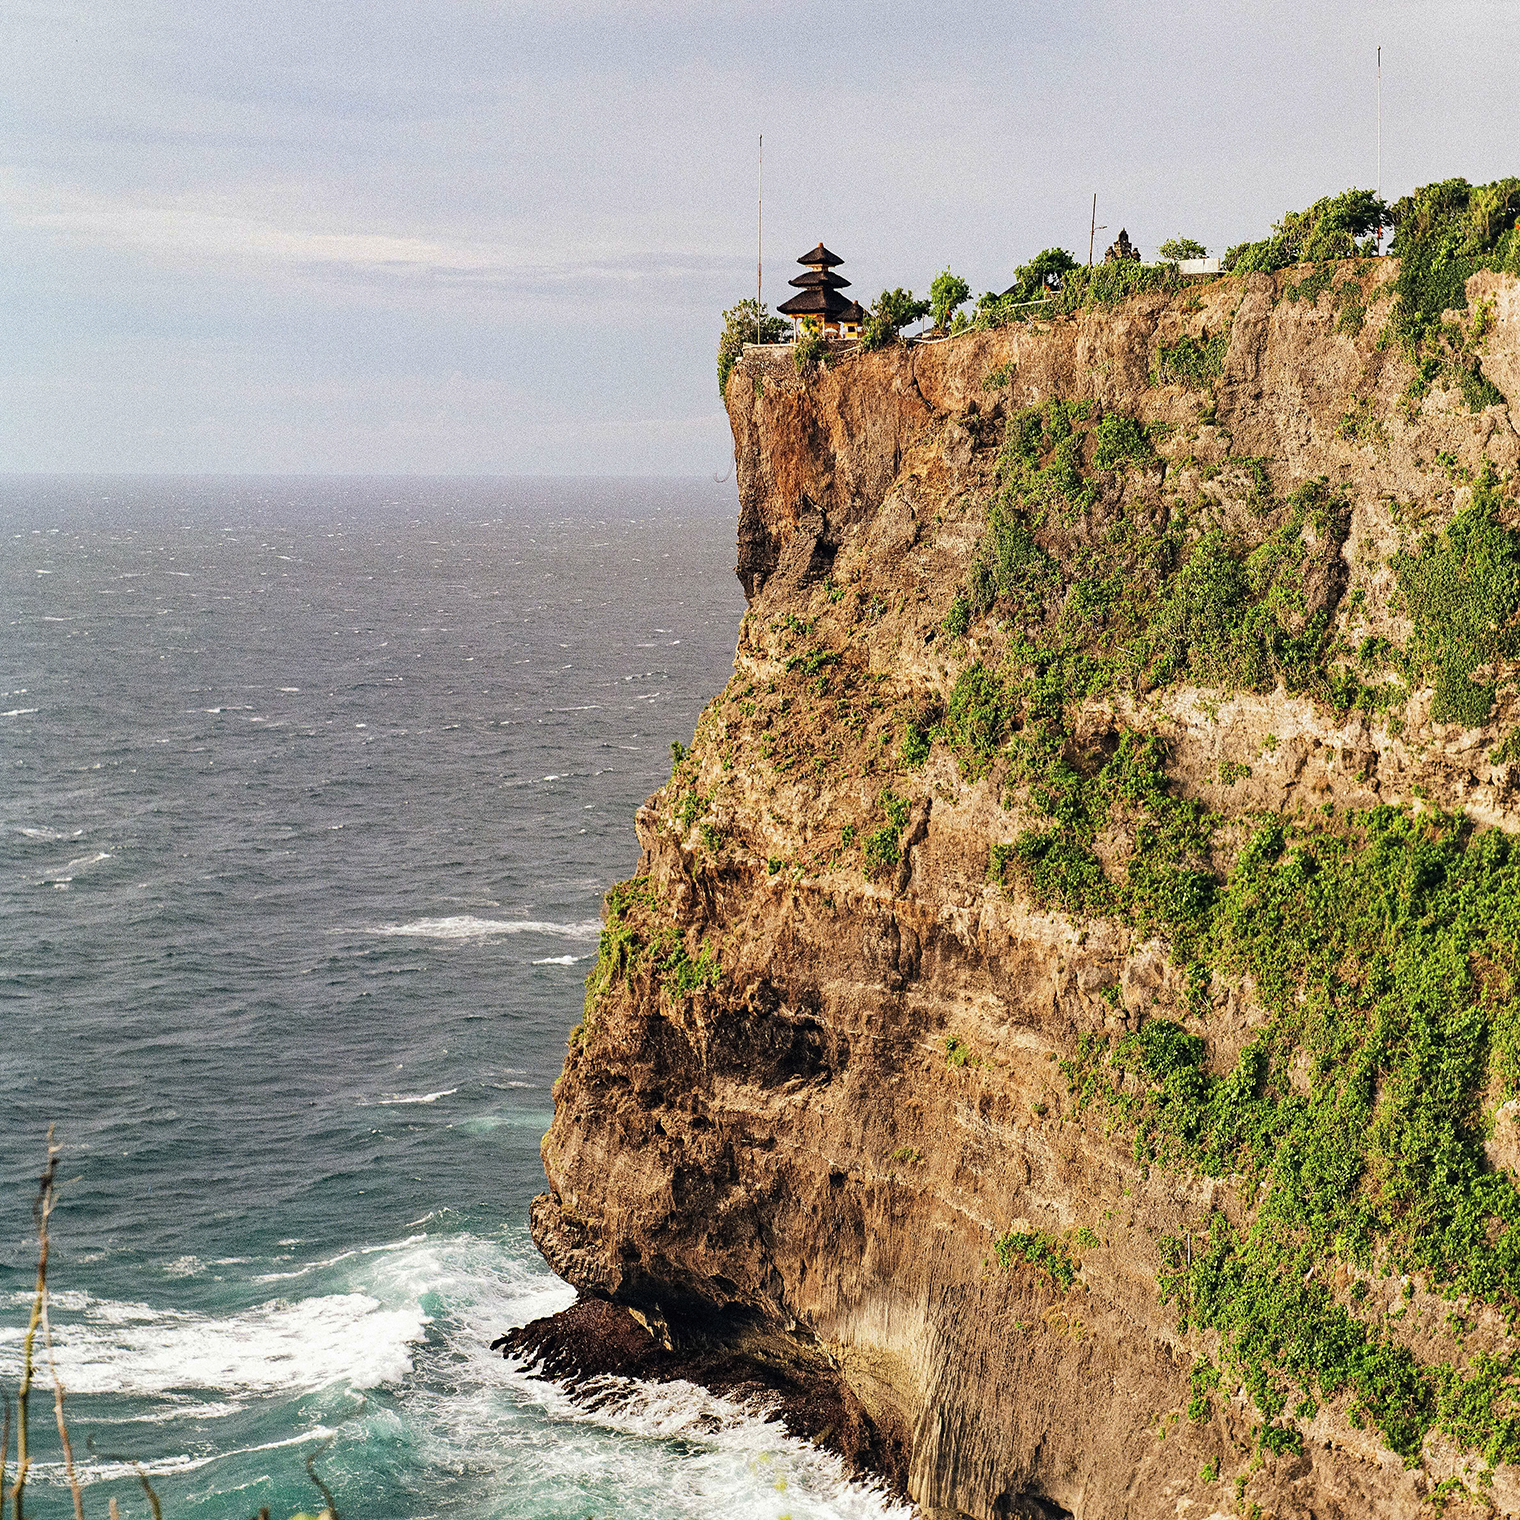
<point x="496" y="237"/>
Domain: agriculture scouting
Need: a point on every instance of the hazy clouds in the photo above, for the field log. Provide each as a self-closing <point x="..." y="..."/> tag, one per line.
<point x="478" y="235"/>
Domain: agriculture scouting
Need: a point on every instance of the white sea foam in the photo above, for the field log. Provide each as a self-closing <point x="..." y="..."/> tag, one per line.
<point x="48" y="834"/>
<point x="63" y="877"/>
<point x="164" y="1467"/>
<point x="558" y="960"/>
<point x="467" y="926"/>
<point x="135" y="1349"/>
<point x="18" y="712"/>
<point x="694" y="1455"/>
<point x="88" y="860"/>
<point x="391" y="1100"/>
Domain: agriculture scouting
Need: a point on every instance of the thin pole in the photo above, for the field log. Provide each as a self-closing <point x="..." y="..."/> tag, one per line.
<point x="759" y="233"/>
<point x="1092" y="233"/>
<point x="1380" y="142"/>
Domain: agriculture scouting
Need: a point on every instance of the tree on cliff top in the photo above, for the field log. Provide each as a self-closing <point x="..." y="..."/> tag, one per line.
<point x="1443" y="233"/>
<point x="890" y="312"/>
<point x="1329" y="229"/>
<point x="1044" y="272"/>
<point x="1175" y="250"/>
<point x="748" y="322"/>
<point x="947" y="293"/>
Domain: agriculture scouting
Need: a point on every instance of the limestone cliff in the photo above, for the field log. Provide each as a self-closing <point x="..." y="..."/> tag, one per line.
<point x="1066" y="989"/>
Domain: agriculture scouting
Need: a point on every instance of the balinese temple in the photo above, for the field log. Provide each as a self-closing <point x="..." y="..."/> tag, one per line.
<point x="819" y="302"/>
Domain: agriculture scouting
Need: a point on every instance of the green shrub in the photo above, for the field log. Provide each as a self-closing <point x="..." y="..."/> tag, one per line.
<point x="1107" y="284"/>
<point x="1010" y="568"/>
<point x="1311" y="287"/>
<point x="810" y="350"/>
<point x="946" y="294"/>
<point x="1063" y="873"/>
<point x="748" y="322"/>
<point x="999" y="858"/>
<point x="1040" y="1249"/>
<point x="1361" y="424"/>
<point x="1461" y="588"/>
<point x="978" y="711"/>
<point x="958" y="1053"/>
<point x="1118" y="440"/>
<point x="914" y="750"/>
<point x="1190" y="361"/>
<point x="881" y="849"/>
<point x="889" y="313"/>
<point x="1174" y="250"/>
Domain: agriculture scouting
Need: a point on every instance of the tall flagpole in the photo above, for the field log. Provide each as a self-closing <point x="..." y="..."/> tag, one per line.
<point x="759" y="231"/>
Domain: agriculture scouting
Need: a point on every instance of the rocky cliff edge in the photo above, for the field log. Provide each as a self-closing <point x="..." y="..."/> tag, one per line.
<point x="1067" y="990"/>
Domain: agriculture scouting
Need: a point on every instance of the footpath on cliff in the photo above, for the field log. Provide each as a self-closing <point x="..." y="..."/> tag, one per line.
<point x="1059" y="1046"/>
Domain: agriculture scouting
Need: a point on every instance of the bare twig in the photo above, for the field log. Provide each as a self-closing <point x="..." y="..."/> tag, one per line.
<point x="5" y="1451"/>
<point x="153" y="1503"/>
<point x="331" y="1512"/>
<point x="63" y="1429"/>
<point x="136" y="1466"/>
<point x="41" y="1208"/>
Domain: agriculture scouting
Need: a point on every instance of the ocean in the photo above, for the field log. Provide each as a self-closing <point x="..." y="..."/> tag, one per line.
<point x="311" y="792"/>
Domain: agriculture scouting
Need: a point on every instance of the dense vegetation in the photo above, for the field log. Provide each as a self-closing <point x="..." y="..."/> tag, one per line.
<point x="1383" y="945"/>
<point x="639" y="938"/>
<point x="1384" y="948"/>
<point x="1445" y="233"/>
<point x="1334" y="227"/>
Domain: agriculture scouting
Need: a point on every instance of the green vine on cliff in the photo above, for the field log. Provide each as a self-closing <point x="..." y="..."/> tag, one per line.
<point x="1191" y="361"/>
<point x="1111" y="594"/>
<point x="1384" y="948"/>
<point x="637" y="937"/>
<point x="1445" y="233"/>
<point x="1047" y="1253"/>
<point x="1383" y="945"/>
<point x="1461" y="589"/>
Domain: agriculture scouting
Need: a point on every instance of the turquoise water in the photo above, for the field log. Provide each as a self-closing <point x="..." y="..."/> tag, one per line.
<point x="311" y="790"/>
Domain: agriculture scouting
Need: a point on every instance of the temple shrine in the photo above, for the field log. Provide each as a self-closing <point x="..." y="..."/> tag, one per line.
<point x="818" y="303"/>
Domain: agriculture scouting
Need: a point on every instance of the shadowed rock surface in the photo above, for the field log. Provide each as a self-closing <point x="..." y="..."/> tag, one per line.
<point x="593" y="1340"/>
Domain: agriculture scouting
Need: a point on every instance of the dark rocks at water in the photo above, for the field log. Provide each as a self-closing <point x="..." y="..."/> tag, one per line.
<point x="594" y="1339"/>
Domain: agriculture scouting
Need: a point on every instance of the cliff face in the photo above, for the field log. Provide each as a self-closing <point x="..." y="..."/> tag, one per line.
<point x="1026" y="1004"/>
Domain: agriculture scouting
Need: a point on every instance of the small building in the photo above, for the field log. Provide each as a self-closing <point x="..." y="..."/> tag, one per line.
<point x="818" y="303"/>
